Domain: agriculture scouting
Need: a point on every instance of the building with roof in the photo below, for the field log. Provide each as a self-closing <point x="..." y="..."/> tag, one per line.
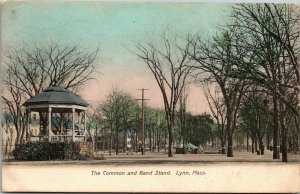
<point x="56" y="114"/>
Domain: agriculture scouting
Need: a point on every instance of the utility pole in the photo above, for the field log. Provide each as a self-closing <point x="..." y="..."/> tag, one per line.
<point x="143" y="119"/>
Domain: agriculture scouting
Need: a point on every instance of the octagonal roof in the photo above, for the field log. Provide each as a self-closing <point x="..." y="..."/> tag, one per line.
<point x="56" y="95"/>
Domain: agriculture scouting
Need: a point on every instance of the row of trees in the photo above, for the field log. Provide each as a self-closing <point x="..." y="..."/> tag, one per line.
<point x="121" y="114"/>
<point x="256" y="51"/>
<point x="28" y="72"/>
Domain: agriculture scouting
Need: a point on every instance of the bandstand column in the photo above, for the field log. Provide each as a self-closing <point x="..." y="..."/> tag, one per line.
<point x="49" y="123"/>
<point x="73" y="124"/>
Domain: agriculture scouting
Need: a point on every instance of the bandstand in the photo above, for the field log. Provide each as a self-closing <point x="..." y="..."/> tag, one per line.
<point x="61" y="116"/>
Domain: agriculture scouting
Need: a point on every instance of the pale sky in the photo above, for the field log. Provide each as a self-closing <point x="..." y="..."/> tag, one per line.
<point x="115" y="26"/>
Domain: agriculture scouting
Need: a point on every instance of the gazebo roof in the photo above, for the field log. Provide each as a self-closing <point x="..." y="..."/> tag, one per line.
<point x="56" y="95"/>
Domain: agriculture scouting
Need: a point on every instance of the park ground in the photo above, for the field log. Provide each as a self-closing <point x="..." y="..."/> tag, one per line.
<point x="150" y="158"/>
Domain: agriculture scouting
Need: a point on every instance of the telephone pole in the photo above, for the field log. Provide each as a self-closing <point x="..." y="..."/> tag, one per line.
<point x="143" y="119"/>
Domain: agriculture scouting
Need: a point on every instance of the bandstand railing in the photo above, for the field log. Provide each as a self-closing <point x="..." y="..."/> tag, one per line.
<point x="58" y="138"/>
<point x="67" y="138"/>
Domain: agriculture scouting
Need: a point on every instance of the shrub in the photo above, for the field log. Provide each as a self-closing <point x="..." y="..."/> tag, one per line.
<point x="33" y="151"/>
<point x="29" y="151"/>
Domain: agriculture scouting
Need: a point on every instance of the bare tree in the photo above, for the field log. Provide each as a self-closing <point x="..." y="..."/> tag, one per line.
<point x="218" y="110"/>
<point x="181" y="117"/>
<point x="169" y="65"/>
<point x="271" y="36"/>
<point x="13" y="98"/>
<point x="154" y="126"/>
<point x="150" y="125"/>
<point x="256" y="117"/>
<point x="160" y="128"/>
<point x="30" y="71"/>
<point x="215" y="61"/>
<point x="279" y="21"/>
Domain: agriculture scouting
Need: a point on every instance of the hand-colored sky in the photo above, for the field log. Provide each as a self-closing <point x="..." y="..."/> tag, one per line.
<point x="115" y="26"/>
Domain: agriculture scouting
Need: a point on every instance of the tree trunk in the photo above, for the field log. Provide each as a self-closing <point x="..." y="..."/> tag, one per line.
<point x="96" y="144"/>
<point x="165" y="141"/>
<point x="229" y="136"/>
<point x="150" y="139"/>
<point x="170" y="129"/>
<point x="276" y="128"/>
<point x="268" y="142"/>
<point x="247" y="141"/>
<point x="103" y="143"/>
<point x="5" y="155"/>
<point x="230" y="146"/>
<point x="154" y="142"/>
<point x="117" y="143"/>
<point x="125" y="141"/>
<point x="253" y="142"/>
<point x="17" y="142"/>
<point x="110" y="143"/>
<point x="223" y="142"/>
<point x="23" y="132"/>
<point x="158" y="142"/>
<point x="96" y="139"/>
<point x="283" y="136"/>
<point x="229" y="131"/>
<point x="261" y="147"/>
<point x="136" y="142"/>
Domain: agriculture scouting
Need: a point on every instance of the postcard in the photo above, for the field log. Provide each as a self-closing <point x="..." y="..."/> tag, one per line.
<point x="150" y="96"/>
